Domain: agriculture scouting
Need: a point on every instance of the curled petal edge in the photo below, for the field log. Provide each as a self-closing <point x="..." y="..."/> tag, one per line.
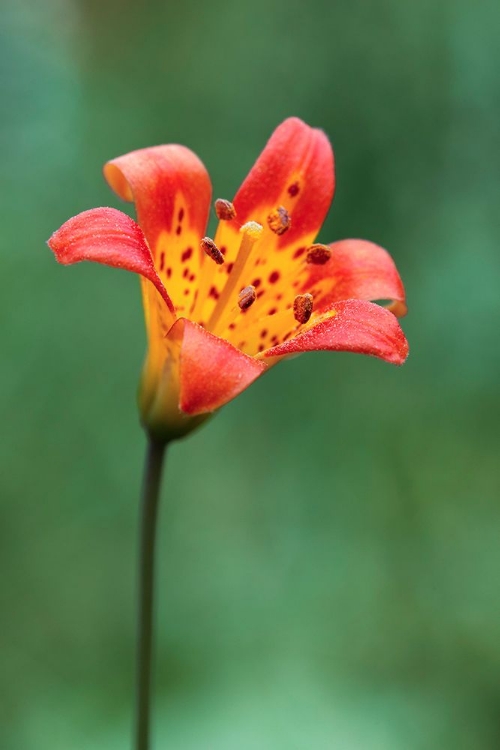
<point x="350" y="326"/>
<point x="358" y="269"/>
<point x="110" y="237"/>
<point x="153" y="178"/>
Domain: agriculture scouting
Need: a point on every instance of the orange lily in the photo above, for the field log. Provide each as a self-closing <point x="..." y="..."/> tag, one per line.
<point x="220" y="312"/>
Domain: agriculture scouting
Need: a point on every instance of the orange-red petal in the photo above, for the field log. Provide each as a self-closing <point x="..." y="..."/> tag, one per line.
<point x="295" y="172"/>
<point x="350" y="326"/>
<point x="357" y="269"/>
<point x="171" y="190"/>
<point x="108" y="236"/>
<point x="152" y="178"/>
<point x="211" y="371"/>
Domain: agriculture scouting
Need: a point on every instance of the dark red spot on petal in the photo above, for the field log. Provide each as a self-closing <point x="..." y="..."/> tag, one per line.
<point x="169" y="273"/>
<point x="178" y="230"/>
<point x="185" y="273"/>
<point x="192" y="277"/>
<point x="213" y="293"/>
<point x="263" y="333"/>
<point x="261" y="347"/>
<point x="232" y="326"/>
<point x="186" y="292"/>
<point x="273" y="311"/>
<point x="180" y="215"/>
<point x="273" y="278"/>
<point x="260" y="293"/>
<point x="223" y="249"/>
<point x="229" y="267"/>
<point x="293" y="189"/>
<point x="162" y="261"/>
<point x="256" y="283"/>
<point x="299" y="251"/>
<point x="186" y="254"/>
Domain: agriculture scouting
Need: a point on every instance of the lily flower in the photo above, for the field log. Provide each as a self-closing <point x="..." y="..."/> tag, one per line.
<point x="220" y="311"/>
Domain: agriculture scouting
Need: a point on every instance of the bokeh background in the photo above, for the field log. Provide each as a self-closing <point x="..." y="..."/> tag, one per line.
<point x="329" y="544"/>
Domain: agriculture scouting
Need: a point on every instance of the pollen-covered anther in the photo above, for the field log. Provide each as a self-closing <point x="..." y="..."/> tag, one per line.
<point x="224" y="210"/>
<point x="279" y="220"/>
<point x="247" y="297"/>
<point x="211" y="249"/>
<point x="318" y="254"/>
<point x="302" y="307"/>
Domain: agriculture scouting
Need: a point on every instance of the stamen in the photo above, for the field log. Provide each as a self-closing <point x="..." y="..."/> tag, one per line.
<point x="302" y="307"/>
<point x="224" y="210"/>
<point x="318" y="254"/>
<point x="279" y="220"/>
<point x="247" y="297"/>
<point x="211" y="249"/>
<point x="251" y="232"/>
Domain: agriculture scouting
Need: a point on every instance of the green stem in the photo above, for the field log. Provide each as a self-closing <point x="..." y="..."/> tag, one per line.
<point x="149" y="511"/>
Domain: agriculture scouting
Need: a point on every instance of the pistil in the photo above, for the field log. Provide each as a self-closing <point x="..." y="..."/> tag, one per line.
<point x="251" y="232"/>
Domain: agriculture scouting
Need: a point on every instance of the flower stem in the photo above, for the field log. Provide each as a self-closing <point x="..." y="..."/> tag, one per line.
<point x="149" y="506"/>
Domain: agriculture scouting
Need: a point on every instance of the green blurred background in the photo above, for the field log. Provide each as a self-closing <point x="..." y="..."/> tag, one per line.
<point x="329" y="544"/>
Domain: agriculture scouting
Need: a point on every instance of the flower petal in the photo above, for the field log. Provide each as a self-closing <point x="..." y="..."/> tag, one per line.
<point x="212" y="372"/>
<point x="108" y="236"/>
<point x="351" y="326"/>
<point x="171" y="190"/>
<point x="357" y="269"/>
<point x="296" y="172"/>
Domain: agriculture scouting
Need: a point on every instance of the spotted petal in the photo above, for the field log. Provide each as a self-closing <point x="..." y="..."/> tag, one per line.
<point x="296" y="172"/>
<point x="171" y="190"/>
<point x="350" y="326"/>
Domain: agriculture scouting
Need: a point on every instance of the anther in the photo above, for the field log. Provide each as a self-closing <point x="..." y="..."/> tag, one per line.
<point x="224" y="210"/>
<point x="247" y="297"/>
<point x="211" y="249"/>
<point x="318" y="254"/>
<point x="279" y="220"/>
<point x="302" y="307"/>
